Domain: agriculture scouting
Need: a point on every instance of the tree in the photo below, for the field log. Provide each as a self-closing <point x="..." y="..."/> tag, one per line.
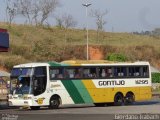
<point x="65" y="21"/>
<point x="11" y="10"/>
<point x="47" y="7"/>
<point x="100" y="22"/>
<point x="25" y="8"/>
<point x="59" y="22"/>
<point x="116" y="57"/>
<point x="69" y="21"/>
<point x="35" y="11"/>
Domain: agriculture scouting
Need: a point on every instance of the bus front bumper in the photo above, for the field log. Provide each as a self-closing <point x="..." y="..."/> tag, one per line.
<point x="15" y="102"/>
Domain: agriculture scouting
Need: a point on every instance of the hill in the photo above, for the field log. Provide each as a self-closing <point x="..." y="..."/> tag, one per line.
<point x="44" y="43"/>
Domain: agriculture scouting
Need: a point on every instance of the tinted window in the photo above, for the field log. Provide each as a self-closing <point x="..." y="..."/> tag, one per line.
<point x="16" y="72"/>
<point x="98" y="72"/>
<point x="120" y="71"/>
<point x="145" y="71"/>
<point x="89" y="72"/>
<point x="56" y="73"/>
<point x="40" y="80"/>
<point x="137" y="71"/>
<point x="40" y="71"/>
<point x="106" y="72"/>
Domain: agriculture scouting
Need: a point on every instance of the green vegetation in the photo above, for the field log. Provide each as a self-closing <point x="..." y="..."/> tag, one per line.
<point x="116" y="57"/>
<point x="155" y="77"/>
<point x="30" y="43"/>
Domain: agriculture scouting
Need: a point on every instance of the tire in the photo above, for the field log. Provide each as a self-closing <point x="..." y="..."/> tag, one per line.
<point x="118" y="100"/>
<point x="129" y="99"/>
<point x="54" y="102"/>
<point x="35" y="107"/>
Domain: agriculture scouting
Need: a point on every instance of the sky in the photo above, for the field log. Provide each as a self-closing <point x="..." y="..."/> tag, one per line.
<point x="123" y="15"/>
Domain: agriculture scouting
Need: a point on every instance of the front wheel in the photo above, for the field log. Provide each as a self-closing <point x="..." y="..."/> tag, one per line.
<point x="54" y="102"/>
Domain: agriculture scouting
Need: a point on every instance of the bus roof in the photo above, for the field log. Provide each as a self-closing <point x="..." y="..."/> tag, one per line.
<point x="79" y="63"/>
<point x="31" y="65"/>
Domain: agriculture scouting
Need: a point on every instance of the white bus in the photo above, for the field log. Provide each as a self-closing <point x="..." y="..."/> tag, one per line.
<point x="79" y="82"/>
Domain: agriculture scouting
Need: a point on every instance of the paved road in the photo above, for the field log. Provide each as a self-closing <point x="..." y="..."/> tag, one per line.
<point x="84" y="112"/>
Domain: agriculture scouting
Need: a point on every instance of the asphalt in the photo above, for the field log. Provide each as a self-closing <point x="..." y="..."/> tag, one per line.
<point x="84" y="112"/>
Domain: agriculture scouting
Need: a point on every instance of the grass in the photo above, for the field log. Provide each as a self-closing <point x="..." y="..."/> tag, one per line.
<point x="38" y="43"/>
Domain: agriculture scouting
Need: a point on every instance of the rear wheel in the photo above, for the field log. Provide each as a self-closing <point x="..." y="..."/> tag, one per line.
<point x="129" y="99"/>
<point x="35" y="107"/>
<point x="54" y="102"/>
<point x="118" y="99"/>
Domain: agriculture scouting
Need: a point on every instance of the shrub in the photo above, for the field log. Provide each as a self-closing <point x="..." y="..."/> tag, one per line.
<point x="155" y="77"/>
<point x="9" y="61"/>
<point x="116" y="57"/>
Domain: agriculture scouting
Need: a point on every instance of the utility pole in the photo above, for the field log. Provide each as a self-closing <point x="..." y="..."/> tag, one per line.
<point x="87" y="5"/>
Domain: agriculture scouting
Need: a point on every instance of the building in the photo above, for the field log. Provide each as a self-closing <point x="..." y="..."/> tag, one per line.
<point x="3" y="85"/>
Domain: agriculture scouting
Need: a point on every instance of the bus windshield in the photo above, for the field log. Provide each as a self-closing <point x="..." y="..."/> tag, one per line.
<point x="16" y="72"/>
<point x="21" y="85"/>
<point x="21" y="80"/>
<point x="28" y="80"/>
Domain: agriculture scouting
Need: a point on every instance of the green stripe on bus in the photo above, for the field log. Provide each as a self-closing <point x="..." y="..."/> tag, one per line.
<point x="54" y="64"/>
<point x="73" y="92"/>
<point x="83" y="91"/>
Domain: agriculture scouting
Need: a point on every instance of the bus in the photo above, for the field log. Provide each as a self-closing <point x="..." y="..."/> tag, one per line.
<point x="79" y="82"/>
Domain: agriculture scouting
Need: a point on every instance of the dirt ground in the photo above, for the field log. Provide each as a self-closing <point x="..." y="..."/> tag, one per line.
<point x="95" y="53"/>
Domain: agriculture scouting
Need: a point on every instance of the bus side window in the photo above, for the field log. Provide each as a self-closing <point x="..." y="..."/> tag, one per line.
<point x="90" y="72"/>
<point x="110" y="72"/>
<point x="78" y="73"/>
<point x="53" y="73"/>
<point x="56" y="73"/>
<point x="86" y="72"/>
<point x="134" y="71"/>
<point x="137" y="71"/>
<point x="60" y="73"/>
<point x="131" y="71"/>
<point x="120" y="71"/>
<point x="123" y="71"/>
<point x="145" y="71"/>
<point x="93" y="72"/>
<point x="117" y="71"/>
<point x="69" y="73"/>
<point x="65" y="73"/>
<point x="103" y="72"/>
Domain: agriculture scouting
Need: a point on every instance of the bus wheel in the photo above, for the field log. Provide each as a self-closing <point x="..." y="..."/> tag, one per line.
<point x="35" y="107"/>
<point x="129" y="99"/>
<point x="54" y="102"/>
<point x="118" y="99"/>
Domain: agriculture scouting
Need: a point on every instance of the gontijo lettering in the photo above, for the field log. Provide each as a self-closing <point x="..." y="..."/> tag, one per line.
<point x="111" y="83"/>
